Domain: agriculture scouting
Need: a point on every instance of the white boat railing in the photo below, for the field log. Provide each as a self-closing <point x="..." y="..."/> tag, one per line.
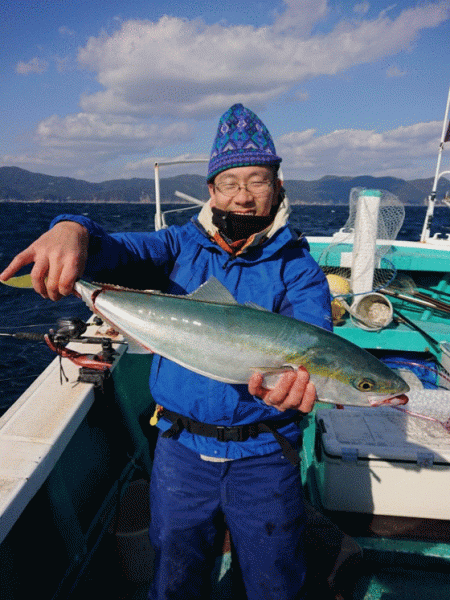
<point x="425" y="236"/>
<point x="160" y="221"/>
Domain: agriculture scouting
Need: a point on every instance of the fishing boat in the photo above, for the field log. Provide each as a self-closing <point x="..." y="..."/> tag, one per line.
<point x="76" y="447"/>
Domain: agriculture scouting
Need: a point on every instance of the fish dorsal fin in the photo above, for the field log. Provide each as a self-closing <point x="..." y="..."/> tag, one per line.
<point x="213" y="291"/>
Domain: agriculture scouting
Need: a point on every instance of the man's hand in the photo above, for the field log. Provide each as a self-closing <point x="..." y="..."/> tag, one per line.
<point x="59" y="257"/>
<point x="293" y="390"/>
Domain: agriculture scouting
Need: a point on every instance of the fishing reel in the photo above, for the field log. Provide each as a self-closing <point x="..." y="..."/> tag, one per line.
<point x="72" y="329"/>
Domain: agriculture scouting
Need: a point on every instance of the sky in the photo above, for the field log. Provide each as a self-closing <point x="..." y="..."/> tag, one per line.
<point x="100" y="89"/>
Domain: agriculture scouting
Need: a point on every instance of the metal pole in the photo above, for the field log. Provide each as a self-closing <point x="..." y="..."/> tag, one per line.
<point x="432" y="198"/>
<point x="158" y="223"/>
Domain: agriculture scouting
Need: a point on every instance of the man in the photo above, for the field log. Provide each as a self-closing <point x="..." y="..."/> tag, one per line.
<point x="223" y="450"/>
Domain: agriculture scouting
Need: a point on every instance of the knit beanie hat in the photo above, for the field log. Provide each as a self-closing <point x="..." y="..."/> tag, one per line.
<point x="242" y="139"/>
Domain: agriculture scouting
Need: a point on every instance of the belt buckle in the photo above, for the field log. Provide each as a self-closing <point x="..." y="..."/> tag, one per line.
<point x="231" y="434"/>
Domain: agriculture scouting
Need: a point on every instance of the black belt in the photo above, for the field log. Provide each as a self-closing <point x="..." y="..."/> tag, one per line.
<point x="236" y="433"/>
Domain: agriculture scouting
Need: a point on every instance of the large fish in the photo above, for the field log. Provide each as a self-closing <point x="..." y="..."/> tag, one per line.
<point x="210" y="333"/>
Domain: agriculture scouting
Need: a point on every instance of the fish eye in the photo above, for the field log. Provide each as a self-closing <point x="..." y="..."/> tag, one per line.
<point x="365" y="384"/>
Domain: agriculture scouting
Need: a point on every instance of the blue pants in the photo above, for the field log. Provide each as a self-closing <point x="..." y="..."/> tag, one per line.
<point x="261" y="500"/>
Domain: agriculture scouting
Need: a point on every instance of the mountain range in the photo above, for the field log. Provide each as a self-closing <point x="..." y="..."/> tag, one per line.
<point x="19" y="185"/>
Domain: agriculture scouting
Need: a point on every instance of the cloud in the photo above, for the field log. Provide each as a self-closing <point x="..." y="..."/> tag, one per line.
<point x="110" y="135"/>
<point x="300" y="96"/>
<point x="93" y="149"/>
<point x="35" y="65"/>
<point x="139" y="168"/>
<point x="362" y="8"/>
<point x="394" y="71"/>
<point x="359" y="152"/>
<point x="194" y="70"/>
<point x="299" y="18"/>
<point x="63" y="64"/>
<point x="63" y="30"/>
<point x="158" y="78"/>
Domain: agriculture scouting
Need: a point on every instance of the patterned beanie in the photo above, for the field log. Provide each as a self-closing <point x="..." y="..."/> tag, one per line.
<point x="242" y="139"/>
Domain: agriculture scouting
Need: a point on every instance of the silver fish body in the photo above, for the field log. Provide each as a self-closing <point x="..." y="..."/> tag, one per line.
<point x="211" y="334"/>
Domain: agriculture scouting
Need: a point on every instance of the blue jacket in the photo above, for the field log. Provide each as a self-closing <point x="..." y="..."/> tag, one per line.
<point x="278" y="274"/>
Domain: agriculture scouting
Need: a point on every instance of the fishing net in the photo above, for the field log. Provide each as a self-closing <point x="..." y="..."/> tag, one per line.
<point x="357" y="262"/>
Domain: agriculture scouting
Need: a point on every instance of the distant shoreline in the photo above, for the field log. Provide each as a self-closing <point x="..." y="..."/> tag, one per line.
<point x="19" y="185"/>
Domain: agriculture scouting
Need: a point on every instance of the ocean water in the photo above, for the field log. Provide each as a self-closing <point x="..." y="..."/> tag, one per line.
<point x="23" y="310"/>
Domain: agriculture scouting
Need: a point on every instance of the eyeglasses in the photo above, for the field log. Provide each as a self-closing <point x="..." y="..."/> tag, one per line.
<point x="255" y="188"/>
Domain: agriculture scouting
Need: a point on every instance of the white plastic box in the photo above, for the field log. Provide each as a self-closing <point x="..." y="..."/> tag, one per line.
<point x="383" y="461"/>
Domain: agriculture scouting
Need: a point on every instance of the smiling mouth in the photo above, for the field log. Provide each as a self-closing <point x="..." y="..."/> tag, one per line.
<point x="248" y="213"/>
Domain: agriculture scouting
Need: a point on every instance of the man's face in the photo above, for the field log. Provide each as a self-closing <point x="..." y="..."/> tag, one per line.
<point x="257" y="194"/>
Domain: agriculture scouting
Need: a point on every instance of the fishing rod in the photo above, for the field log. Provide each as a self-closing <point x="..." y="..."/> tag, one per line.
<point x="25" y="335"/>
<point x="69" y="330"/>
<point x="72" y="330"/>
<point x="431" y="304"/>
<point x="406" y="285"/>
<point x="414" y="325"/>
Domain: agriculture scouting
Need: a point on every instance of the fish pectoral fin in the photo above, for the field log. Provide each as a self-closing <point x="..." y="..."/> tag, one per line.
<point x="272" y="376"/>
<point x="213" y="291"/>
<point x="275" y="370"/>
